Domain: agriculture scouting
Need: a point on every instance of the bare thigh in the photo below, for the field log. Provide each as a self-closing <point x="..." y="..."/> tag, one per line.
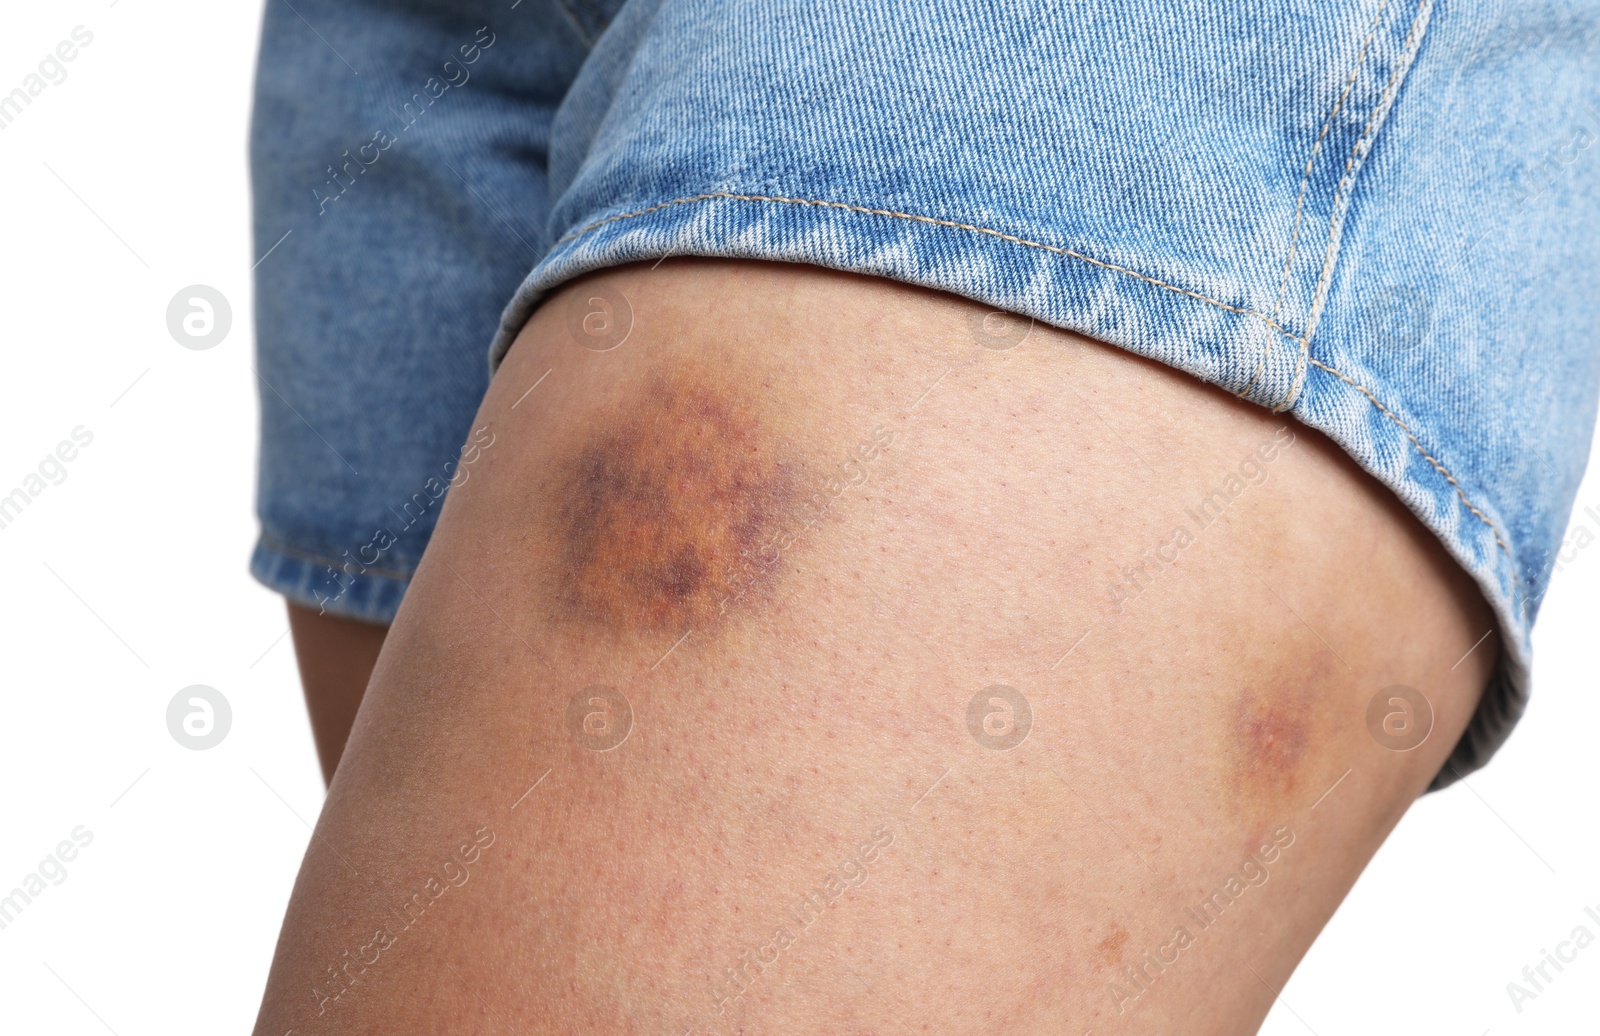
<point x="804" y="663"/>
<point x="335" y="656"/>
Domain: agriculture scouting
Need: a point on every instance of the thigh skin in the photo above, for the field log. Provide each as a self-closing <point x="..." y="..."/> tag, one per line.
<point x="827" y="655"/>
<point x="335" y="656"/>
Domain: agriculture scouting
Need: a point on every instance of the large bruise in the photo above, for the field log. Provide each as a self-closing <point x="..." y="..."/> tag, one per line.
<point x="666" y="512"/>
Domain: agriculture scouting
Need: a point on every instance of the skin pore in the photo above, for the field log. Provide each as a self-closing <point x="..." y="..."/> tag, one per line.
<point x="799" y="665"/>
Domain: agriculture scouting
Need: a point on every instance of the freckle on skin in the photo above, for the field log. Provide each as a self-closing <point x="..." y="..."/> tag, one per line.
<point x="1109" y="949"/>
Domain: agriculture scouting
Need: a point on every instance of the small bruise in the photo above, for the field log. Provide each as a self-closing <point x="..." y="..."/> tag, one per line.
<point x="666" y="513"/>
<point x="1270" y="734"/>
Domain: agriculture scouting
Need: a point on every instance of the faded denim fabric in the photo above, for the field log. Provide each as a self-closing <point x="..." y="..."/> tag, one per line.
<point x="1379" y="216"/>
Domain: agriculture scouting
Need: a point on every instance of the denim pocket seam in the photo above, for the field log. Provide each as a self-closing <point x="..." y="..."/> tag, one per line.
<point x="1305" y="181"/>
<point x="932" y="221"/>
<point x="1369" y="133"/>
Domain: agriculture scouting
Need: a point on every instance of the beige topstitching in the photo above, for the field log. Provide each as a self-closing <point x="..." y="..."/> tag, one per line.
<point x="1305" y="180"/>
<point x="730" y="196"/>
<point x="1367" y="133"/>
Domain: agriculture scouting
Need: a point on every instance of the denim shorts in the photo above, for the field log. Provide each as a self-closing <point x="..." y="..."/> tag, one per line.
<point x="1379" y="216"/>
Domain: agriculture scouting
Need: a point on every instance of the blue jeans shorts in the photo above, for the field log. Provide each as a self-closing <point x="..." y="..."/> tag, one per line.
<point x="1379" y="216"/>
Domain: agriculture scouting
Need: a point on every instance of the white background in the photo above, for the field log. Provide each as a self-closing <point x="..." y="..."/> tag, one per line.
<point x="126" y="182"/>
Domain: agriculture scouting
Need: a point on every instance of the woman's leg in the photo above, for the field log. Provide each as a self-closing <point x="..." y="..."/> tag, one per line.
<point x="827" y="657"/>
<point x="335" y="656"/>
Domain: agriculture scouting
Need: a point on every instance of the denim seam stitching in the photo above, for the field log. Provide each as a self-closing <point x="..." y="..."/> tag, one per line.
<point x="1305" y="180"/>
<point x="932" y="221"/>
<point x="1369" y="133"/>
<point x="1437" y="466"/>
<point x="298" y="554"/>
<point x="576" y="23"/>
<point x="1062" y="251"/>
